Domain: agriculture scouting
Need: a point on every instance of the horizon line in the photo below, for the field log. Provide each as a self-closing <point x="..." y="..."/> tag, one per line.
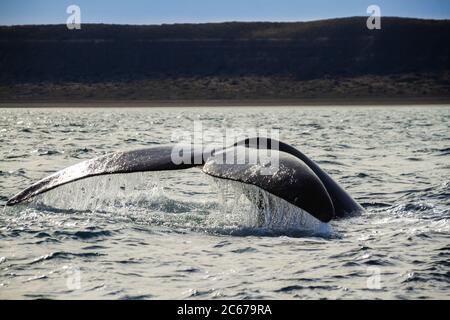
<point x="224" y="21"/>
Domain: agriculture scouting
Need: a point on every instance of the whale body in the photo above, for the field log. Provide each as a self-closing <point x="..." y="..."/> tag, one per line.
<point x="296" y="178"/>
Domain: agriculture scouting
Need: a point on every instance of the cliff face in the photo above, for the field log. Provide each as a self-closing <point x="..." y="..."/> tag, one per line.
<point x="298" y="52"/>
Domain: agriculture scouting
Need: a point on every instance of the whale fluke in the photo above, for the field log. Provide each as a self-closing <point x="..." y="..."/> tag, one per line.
<point x="151" y="159"/>
<point x="291" y="180"/>
<point x="295" y="178"/>
<point x="343" y="203"/>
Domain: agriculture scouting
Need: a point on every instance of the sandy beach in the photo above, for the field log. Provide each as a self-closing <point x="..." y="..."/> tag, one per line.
<point x="224" y="103"/>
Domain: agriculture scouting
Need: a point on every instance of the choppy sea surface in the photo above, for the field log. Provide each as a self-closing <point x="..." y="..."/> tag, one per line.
<point x="183" y="234"/>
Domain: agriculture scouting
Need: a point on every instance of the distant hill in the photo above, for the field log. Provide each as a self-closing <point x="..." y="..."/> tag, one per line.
<point x="227" y="60"/>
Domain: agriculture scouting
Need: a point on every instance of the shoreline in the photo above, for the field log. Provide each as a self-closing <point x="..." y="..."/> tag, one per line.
<point x="225" y="103"/>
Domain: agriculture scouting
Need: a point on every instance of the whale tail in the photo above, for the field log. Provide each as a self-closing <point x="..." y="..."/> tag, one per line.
<point x="296" y="178"/>
<point x="152" y="159"/>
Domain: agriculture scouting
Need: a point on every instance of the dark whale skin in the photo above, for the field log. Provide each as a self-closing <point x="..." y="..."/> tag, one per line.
<point x="292" y="180"/>
<point x="343" y="203"/>
<point x="300" y="180"/>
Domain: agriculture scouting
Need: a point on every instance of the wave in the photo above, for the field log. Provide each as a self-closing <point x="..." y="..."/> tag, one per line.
<point x="65" y="255"/>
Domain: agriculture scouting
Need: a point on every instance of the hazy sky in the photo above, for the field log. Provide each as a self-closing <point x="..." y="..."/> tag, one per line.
<point x="171" y="11"/>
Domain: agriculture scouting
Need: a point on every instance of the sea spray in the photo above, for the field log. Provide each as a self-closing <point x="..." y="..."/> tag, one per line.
<point x="247" y="206"/>
<point x="146" y="198"/>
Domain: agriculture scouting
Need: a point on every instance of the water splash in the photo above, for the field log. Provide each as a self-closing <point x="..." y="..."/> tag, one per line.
<point x="145" y="198"/>
<point x="246" y="207"/>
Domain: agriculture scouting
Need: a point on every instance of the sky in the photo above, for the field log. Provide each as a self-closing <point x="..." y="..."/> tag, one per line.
<point x="13" y="12"/>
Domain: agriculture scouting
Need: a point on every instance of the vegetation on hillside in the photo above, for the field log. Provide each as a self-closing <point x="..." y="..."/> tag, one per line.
<point x="337" y="57"/>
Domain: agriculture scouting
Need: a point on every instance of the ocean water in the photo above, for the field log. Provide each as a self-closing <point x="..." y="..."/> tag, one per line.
<point x="184" y="235"/>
